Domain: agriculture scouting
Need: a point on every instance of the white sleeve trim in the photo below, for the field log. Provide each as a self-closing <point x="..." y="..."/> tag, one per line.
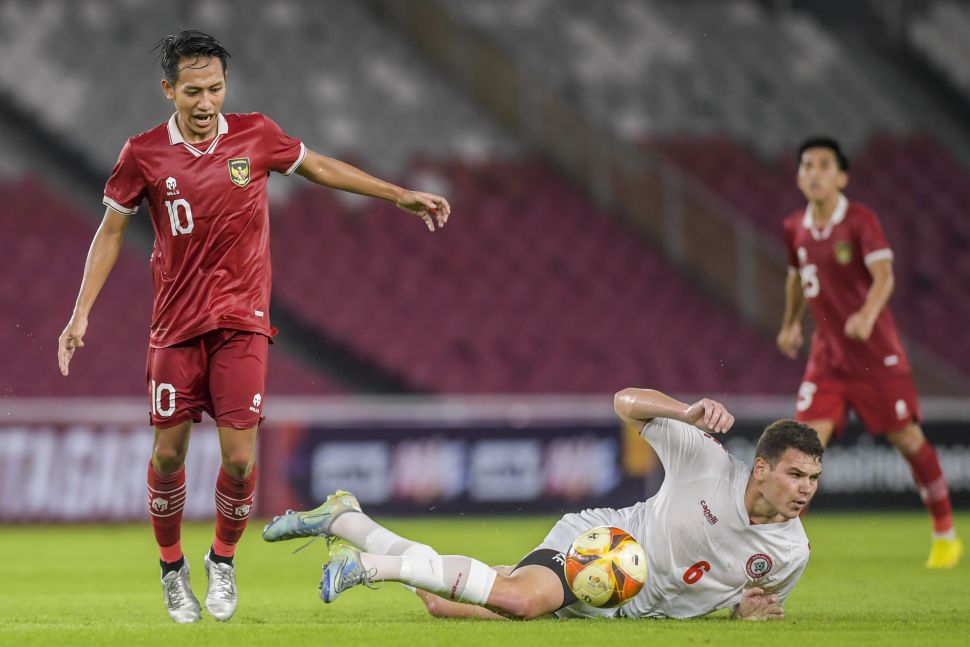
<point x="299" y="160"/>
<point x="108" y="202"/>
<point x="885" y="254"/>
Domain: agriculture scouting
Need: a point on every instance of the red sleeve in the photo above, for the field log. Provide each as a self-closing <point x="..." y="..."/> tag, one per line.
<point x="126" y="186"/>
<point x="283" y="153"/>
<point x="789" y="235"/>
<point x="872" y="239"/>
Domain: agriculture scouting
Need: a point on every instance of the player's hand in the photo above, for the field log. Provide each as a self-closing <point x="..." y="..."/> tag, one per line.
<point x="757" y="605"/>
<point x="429" y="207"/>
<point x="70" y="340"/>
<point x="858" y="326"/>
<point x="710" y="416"/>
<point x="790" y="340"/>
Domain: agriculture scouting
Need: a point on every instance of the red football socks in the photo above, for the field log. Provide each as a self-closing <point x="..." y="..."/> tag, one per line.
<point x="932" y="486"/>
<point x="234" y="502"/>
<point x="166" y="499"/>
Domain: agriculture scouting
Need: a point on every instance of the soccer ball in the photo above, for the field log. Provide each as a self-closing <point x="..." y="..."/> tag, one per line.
<point x="605" y="567"/>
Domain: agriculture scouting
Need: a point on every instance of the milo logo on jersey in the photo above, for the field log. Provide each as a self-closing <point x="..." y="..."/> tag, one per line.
<point x="758" y="566"/>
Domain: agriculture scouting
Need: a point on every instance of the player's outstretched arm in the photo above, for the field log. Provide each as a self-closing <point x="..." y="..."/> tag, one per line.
<point x="643" y="405"/>
<point x="102" y="256"/>
<point x="790" y="337"/>
<point x="335" y="174"/>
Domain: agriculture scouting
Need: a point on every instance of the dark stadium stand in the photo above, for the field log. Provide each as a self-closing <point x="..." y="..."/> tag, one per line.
<point x="530" y="289"/>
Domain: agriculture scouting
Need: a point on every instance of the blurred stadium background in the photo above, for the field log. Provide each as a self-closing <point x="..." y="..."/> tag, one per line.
<point x="618" y="173"/>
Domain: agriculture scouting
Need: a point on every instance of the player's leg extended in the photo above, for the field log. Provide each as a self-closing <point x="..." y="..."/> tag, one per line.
<point x="529" y="592"/>
<point x="235" y="492"/>
<point x="176" y="378"/>
<point x="440" y="607"/>
<point x="928" y="475"/>
<point x="166" y="489"/>
<point x="166" y="500"/>
<point x="236" y="379"/>
<point x="341" y="516"/>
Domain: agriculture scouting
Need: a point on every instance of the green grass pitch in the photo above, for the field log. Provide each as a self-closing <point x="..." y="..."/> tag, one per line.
<point x="78" y="585"/>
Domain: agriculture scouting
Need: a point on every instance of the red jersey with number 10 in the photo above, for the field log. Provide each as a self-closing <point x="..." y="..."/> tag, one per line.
<point x="832" y="264"/>
<point x="208" y="205"/>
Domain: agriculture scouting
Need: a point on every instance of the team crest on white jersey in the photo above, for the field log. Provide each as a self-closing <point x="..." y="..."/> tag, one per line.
<point x="171" y="186"/>
<point x="239" y="171"/>
<point x="758" y="566"/>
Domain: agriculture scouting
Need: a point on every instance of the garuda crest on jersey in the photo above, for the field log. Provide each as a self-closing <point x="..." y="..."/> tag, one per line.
<point x="843" y="252"/>
<point x="239" y="171"/>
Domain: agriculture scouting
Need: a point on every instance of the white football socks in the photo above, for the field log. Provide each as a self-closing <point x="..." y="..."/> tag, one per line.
<point x="397" y="559"/>
<point x="453" y="577"/>
<point x="361" y="530"/>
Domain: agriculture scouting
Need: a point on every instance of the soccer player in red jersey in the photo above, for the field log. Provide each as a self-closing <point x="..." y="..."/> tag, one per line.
<point x="204" y="175"/>
<point x="840" y="264"/>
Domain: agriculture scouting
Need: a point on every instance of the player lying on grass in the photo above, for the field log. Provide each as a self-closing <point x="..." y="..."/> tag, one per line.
<point x="717" y="535"/>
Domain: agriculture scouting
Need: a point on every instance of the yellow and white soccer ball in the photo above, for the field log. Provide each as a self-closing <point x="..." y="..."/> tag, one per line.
<point x="605" y="567"/>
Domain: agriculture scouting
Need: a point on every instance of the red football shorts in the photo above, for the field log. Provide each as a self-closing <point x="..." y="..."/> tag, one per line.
<point x="222" y="372"/>
<point x="884" y="404"/>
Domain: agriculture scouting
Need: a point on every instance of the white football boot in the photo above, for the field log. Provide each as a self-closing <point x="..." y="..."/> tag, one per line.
<point x="183" y="607"/>
<point x="221" y="597"/>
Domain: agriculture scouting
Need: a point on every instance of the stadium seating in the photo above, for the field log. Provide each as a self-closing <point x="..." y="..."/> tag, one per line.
<point x="648" y="69"/>
<point x="325" y="70"/>
<point x="940" y="35"/>
<point x="530" y="289"/>
<point x="43" y="242"/>
<point x="920" y="193"/>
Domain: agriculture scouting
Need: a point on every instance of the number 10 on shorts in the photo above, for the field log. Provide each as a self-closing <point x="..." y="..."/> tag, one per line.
<point x="163" y="399"/>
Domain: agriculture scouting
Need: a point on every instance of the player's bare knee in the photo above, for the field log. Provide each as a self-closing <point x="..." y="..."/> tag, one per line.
<point x="520" y="605"/>
<point x="167" y="458"/>
<point x="237" y="464"/>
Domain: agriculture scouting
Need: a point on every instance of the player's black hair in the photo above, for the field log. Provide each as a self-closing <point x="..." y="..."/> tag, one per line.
<point x="787" y="434"/>
<point x="821" y="141"/>
<point x="188" y="43"/>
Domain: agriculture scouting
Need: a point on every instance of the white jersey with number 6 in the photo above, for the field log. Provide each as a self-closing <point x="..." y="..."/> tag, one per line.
<point x="701" y="548"/>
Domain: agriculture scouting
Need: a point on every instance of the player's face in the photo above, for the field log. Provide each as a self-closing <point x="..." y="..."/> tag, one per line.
<point x="819" y="176"/>
<point x="198" y="95"/>
<point x="791" y="484"/>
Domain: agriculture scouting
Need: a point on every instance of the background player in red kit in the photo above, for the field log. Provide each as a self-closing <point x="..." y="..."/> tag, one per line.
<point x="841" y="265"/>
<point x="204" y="175"/>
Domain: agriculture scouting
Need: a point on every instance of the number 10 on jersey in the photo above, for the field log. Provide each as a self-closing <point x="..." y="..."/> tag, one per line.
<point x="175" y="219"/>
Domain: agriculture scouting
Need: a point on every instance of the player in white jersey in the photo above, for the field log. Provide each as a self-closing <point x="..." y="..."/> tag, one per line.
<point x="717" y="535"/>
